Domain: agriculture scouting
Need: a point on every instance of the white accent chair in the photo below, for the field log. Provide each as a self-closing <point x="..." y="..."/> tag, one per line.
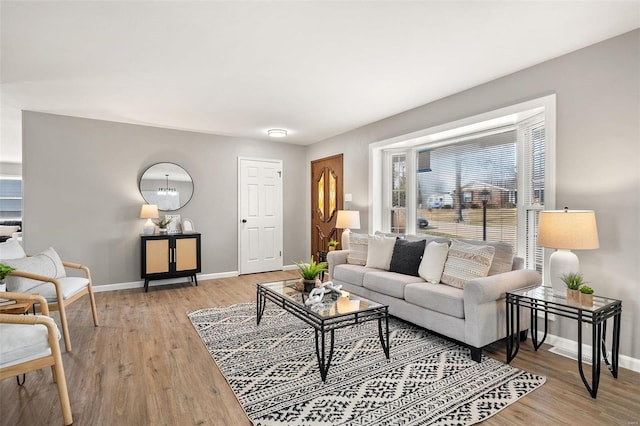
<point x="30" y="342"/>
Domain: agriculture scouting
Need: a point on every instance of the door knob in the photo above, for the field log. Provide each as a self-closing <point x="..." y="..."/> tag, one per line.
<point x="244" y="220"/>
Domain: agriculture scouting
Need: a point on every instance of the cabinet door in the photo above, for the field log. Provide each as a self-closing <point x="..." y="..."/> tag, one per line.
<point x="157" y="256"/>
<point x="186" y="254"/>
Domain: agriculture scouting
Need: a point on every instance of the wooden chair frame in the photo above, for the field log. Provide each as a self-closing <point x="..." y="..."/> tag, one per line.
<point x="54" y="359"/>
<point x="61" y="302"/>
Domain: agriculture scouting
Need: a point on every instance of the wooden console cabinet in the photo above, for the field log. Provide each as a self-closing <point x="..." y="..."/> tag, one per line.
<point x="170" y="256"/>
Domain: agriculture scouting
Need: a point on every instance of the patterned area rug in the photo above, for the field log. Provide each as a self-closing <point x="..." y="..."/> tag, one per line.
<point x="273" y="371"/>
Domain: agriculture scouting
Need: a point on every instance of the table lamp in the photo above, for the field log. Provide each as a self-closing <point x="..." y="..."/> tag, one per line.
<point x="566" y="230"/>
<point x="347" y="220"/>
<point x="149" y="211"/>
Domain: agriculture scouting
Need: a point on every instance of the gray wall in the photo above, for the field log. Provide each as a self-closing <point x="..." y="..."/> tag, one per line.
<point x="598" y="155"/>
<point x="81" y="191"/>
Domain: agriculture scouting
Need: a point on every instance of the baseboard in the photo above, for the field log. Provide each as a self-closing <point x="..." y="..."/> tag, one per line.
<point x="569" y="348"/>
<point x="140" y="284"/>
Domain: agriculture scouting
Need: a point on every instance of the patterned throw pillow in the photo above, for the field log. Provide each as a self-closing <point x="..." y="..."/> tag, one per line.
<point x="47" y="263"/>
<point x="358" y="248"/>
<point x="466" y="262"/>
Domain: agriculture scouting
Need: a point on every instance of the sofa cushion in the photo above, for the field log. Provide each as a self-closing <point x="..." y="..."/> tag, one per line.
<point x="352" y="274"/>
<point x="389" y="283"/>
<point x="436" y="297"/>
<point x="465" y="262"/>
<point x="503" y="257"/>
<point x="380" y="251"/>
<point x="407" y="256"/>
<point x="433" y="260"/>
<point x="47" y="263"/>
<point x="358" y="248"/>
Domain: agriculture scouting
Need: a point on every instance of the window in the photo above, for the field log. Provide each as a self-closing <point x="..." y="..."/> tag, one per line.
<point x="483" y="177"/>
<point x="10" y="199"/>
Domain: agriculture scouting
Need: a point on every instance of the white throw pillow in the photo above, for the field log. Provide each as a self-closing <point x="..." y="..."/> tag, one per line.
<point x="433" y="260"/>
<point x="47" y="263"/>
<point x="466" y="262"/>
<point x="358" y="248"/>
<point x="7" y="231"/>
<point x="11" y="249"/>
<point x="380" y="251"/>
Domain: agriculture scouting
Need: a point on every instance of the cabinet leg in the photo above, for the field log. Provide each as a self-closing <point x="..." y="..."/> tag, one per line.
<point x="195" y="279"/>
<point x="146" y="285"/>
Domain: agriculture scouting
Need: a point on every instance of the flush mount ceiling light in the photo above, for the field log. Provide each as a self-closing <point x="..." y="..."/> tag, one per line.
<point x="277" y="133"/>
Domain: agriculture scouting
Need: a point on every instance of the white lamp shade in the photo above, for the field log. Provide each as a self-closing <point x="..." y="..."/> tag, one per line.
<point x="348" y="219"/>
<point x="568" y="229"/>
<point x="149" y="211"/>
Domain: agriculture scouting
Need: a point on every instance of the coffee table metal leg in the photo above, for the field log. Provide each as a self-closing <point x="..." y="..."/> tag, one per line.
<point x="324" y="358"/>
<point x="261" y="302"/>
<point x="384" y="337"/>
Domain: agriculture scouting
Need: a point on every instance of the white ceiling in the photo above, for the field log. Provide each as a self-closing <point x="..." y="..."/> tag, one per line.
<point x="315" y="68"/>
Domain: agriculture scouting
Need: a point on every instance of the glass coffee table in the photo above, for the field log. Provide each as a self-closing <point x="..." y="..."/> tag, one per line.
<point x="335" y="311"/>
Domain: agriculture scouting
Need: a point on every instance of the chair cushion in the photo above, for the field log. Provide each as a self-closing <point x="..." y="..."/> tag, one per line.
<point x="47" y="263"/>
<point x="70" y="286"/>
<point x="11" y="249"/>
<point x="22" y="343"/>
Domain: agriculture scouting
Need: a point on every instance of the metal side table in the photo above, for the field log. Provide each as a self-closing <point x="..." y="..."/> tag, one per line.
<point x="541" y="299"/>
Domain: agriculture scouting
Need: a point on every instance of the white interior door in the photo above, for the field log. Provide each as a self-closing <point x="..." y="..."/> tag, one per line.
<point x="260" y="215"/>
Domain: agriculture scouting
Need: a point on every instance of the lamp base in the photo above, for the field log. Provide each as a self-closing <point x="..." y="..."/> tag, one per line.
<point x="344" y="243"/>
<point x="562" y="262"/>
<point x="149" y="227"/>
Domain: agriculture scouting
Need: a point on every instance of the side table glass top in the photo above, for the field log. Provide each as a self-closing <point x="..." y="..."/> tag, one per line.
<point x="332" y="305"/>
<point x="545" y="294"/>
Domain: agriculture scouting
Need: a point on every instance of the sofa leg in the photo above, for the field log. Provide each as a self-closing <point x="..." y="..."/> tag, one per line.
<point x="476" y="354"/>
<point x="523" y="335"/>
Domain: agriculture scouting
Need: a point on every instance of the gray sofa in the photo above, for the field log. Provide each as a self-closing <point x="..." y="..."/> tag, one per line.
<point x="473" y="315"/>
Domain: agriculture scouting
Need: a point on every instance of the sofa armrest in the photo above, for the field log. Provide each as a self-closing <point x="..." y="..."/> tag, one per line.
<point x="494" y="287"/>
<point x="336" y="257"/>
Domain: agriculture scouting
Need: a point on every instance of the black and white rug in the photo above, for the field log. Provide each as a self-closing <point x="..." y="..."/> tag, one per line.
<point x="273" y="371"/>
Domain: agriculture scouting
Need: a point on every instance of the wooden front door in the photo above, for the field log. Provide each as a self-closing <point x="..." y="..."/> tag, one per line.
<point x="326" y="200"/>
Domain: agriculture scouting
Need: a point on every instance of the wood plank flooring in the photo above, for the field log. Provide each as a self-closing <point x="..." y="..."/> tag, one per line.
<point x="146" y="365"/>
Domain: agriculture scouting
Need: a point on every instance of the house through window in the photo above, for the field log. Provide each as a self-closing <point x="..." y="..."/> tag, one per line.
<point x="485" y="180"/>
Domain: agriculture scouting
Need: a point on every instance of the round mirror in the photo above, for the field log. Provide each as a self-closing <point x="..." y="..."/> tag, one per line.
<point x="166" y="185"/>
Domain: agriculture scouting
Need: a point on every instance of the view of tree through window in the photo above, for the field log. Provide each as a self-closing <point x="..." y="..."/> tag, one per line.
<point x="471" y="189"/>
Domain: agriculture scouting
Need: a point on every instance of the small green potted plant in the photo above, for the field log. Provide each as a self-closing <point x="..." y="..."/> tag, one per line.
<point x="573" y="280"/>
<point x="4" y="271"/>
<point x="333" y="245"/>
<point x="310" y="272"/>
<point x="162" y="225"/>
<point x="586" y="296"/>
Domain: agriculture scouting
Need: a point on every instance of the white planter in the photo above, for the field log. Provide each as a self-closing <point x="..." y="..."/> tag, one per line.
<point x="3" y="287"/>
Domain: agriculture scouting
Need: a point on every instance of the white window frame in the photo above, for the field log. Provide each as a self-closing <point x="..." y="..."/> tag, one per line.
<point x="380" y="160"/>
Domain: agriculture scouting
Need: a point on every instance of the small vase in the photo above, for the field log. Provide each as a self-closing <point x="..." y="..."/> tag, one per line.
<point x="3" y="286"/>
<point x="586" y="299"/>
<point x="309" y="285"/>
<point x="573" y="296"/>
<point x="162" y="231"/>
<point x="332" y="248"/>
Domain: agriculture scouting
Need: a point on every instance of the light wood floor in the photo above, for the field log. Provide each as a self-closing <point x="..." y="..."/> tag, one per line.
<point x="146" y="365"/>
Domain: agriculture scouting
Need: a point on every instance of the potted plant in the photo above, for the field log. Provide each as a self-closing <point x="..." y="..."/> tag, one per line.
<point x="310" y="272"/>
<point x="333" y="244"/>
<point x="4" y="271"/>
<point x="586" y="296"/>
<point x="162" y="225"/>
<point x="573" y="280"/>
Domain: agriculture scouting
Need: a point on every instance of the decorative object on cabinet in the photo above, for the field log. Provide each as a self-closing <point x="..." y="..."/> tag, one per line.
<point x="149" y="212"/>
<point x="174" y="226"/>
<point x="170" y="256"/>
<point x="188" y="226"/>
<point x="566" y="230"/>
<point x="166" y="185"/>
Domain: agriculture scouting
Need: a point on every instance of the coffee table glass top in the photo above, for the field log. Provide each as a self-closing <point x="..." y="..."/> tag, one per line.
<point x="333" y="304"/>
